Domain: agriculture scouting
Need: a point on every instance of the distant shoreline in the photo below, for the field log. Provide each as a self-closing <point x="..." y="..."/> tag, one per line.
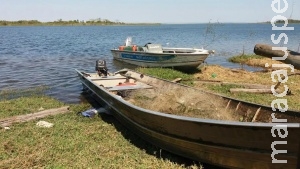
<point x="105" y="22"/>
<point x="96" y="22"/>
<point x="282" y="21"/>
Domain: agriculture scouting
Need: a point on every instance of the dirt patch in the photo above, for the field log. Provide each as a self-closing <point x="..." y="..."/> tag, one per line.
<point x="219" y="73"/>
<point x="234" y="76"/>
<point x="261" y="62"/>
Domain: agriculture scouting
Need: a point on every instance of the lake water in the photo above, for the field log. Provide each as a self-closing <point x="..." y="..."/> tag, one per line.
<point x="35" y="56"/>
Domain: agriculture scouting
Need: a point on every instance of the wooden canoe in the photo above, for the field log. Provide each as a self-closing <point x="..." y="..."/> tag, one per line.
<point x="231" y="144"/>
<point x="292" y="57"/>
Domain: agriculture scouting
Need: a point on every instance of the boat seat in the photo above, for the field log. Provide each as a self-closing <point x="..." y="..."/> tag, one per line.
<point x="154" y="48"/>
<point x="144" y="49"/>
<point x="110" y="77"/>
<point x="130" y="87"/>
<point x="107" y="78"/>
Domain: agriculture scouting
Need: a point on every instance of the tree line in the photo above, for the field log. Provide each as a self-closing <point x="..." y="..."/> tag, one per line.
<point x="60" y="22"/>
<point x="283" y="21"/>
<point x="289" y="21"/>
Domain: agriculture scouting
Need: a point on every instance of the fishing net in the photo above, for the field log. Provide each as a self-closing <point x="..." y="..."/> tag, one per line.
<point x="182" y="101"/>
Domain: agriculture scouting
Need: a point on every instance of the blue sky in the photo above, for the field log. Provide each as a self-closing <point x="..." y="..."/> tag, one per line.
<point x="158" y="11"/>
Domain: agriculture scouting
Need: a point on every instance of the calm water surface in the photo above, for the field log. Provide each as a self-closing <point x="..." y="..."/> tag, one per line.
<point x="34" y="56"/>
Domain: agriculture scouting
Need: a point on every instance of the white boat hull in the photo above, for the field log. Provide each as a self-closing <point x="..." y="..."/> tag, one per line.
<point x="175" y="60"/>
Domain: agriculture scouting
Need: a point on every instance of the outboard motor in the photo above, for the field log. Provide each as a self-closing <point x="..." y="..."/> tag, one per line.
<point x="101" y="68"/>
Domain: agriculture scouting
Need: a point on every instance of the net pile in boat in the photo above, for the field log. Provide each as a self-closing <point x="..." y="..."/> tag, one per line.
<point x="182" y="101"/>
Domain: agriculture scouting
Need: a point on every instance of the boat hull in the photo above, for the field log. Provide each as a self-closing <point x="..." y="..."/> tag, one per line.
<point x="292" y="57"/>
<point x="174" y="60"/>
<point x="221" y="143"/>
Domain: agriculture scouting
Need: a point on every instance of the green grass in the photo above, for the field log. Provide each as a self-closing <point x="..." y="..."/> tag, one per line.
<point x="25" y="105"/>
<point x="76" y="141"/>
<point x="244" y="58"/>
<point x="24" y="101"/>
<point x="169" y="74"/>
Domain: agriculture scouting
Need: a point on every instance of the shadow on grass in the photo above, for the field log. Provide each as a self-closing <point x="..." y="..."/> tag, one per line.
<point x="141" y="143"/>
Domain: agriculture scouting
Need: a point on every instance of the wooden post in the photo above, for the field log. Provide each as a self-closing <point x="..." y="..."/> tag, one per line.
<point x="236" y="90"/>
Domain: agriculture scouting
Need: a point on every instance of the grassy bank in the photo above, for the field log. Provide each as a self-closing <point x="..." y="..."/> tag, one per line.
<point x="258" y="78"/>
<point x="231" y="76"/>
<point x="168" y="74"/>
<point x="218" y="73"/>
<point x="252" y="60"/>
<point x="19" y="102"/>
<point x="102" y="142"/>
<point x="75" y="141"/>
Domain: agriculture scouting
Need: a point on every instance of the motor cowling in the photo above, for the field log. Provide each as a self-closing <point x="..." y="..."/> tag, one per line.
<point x="101" y="68"/>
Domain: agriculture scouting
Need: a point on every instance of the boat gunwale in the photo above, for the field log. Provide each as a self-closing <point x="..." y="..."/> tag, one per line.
<point x="146" y="61"/>
<point x="161" y="54"/>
